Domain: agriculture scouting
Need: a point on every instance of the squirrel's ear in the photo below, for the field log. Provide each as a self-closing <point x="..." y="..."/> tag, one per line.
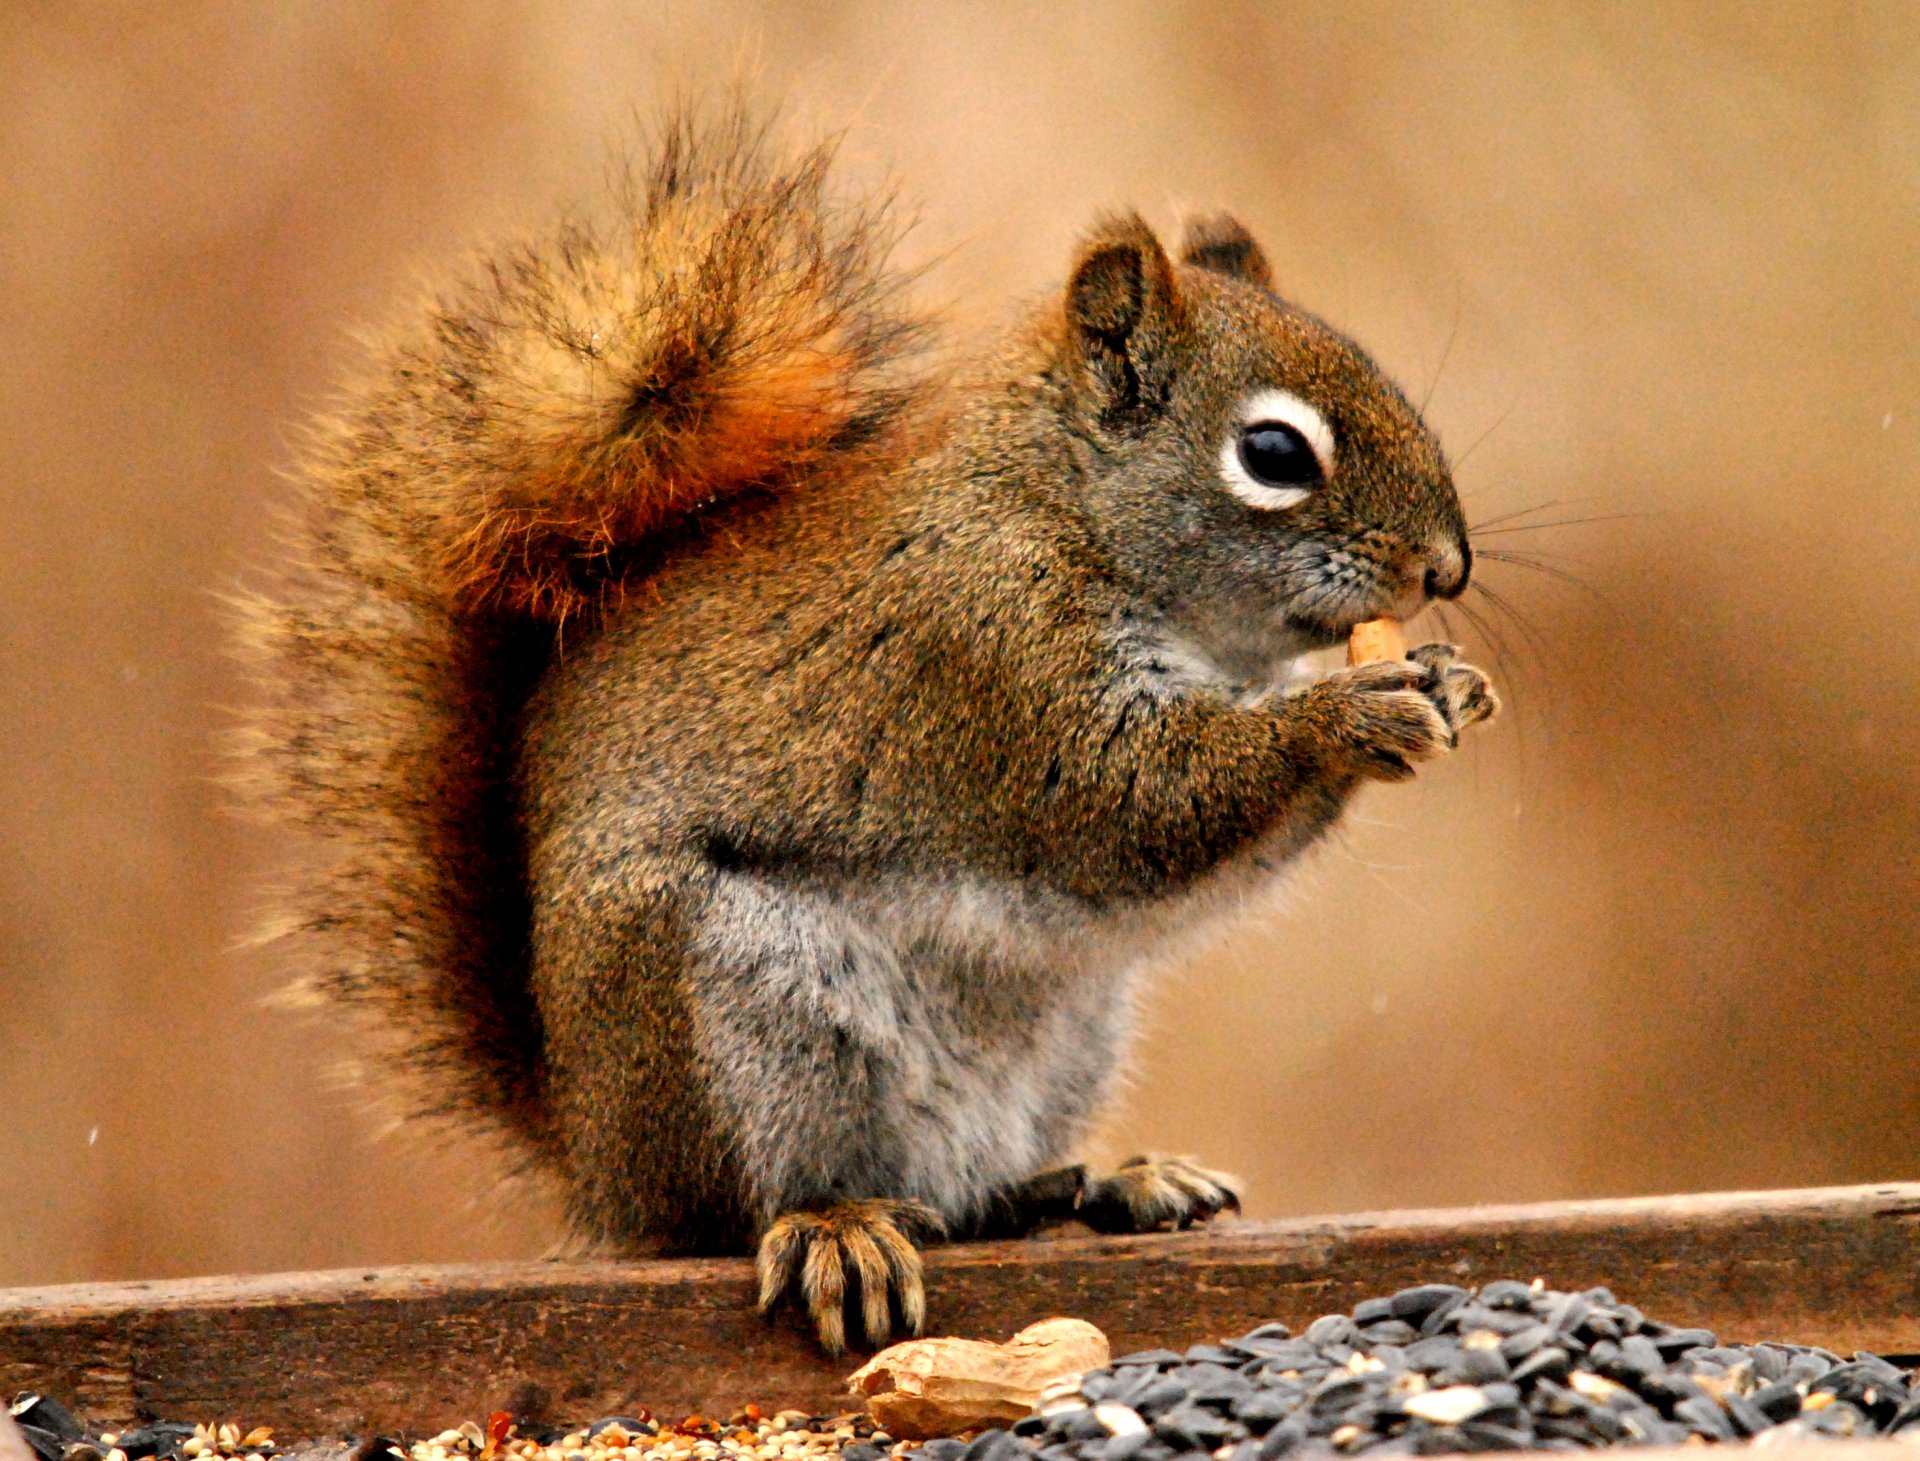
<point x="1221" y="243"/>
<point x="1124" y="314"/>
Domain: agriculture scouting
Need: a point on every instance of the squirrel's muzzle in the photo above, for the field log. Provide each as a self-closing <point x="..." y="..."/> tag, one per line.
<point x="1449" y="571"/>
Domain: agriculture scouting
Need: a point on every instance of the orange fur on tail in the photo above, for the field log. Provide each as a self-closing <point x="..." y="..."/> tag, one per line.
<point x="727" y="327"/>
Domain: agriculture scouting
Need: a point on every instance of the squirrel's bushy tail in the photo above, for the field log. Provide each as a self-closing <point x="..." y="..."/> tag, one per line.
<point x="513" y="460"/>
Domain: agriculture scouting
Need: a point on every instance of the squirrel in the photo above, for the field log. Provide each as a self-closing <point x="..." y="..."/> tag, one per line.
<point x="751" y="770"/>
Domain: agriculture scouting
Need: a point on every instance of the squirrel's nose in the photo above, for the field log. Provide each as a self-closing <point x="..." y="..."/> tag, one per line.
<point x="1447" y="575"/>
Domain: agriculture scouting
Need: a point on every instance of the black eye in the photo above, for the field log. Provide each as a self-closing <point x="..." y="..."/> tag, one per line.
<point x="1276" y="455"/>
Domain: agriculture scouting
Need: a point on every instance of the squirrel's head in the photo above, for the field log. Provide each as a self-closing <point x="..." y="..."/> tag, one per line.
<point x="1251" y="472"/>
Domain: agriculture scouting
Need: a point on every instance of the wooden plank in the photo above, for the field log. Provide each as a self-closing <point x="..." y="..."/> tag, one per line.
<point x="416" y="1349"/>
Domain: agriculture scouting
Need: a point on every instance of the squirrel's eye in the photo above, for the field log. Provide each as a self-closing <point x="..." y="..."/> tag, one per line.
<point x="1282" y="450"/>
<point x="1278" y="455"/>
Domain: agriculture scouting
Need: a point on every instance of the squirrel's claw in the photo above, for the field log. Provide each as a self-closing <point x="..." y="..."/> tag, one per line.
<point x="1150" y="1193"/>
<point x="812" y="1254"/>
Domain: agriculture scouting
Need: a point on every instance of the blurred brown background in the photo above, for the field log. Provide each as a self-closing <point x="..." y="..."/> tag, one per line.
<point x="1653" y="933"/>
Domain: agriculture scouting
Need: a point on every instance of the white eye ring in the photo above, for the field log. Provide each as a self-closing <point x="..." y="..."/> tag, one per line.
<point x="1289" y="410"/>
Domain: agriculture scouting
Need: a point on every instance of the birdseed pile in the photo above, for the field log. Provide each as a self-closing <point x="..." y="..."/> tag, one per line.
<point x="55" y="1434"/>
<point x="1429" y="1370"/>
<point x="1439" y="1369"/>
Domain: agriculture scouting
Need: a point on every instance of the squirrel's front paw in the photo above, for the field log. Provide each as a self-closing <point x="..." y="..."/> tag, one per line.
<point x="1147" y="1194"/>
<point x="1394" y="713"/>
<point x="873" y="1242"/>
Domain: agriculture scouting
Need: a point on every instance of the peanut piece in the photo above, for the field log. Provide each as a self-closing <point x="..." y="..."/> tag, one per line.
<point x="1376" y="639"/>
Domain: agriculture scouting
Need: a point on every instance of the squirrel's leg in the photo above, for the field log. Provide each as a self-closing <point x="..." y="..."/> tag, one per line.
<point x="817" y="1037"/>
<point x="868" y="1247"/>
<point x="647" y="1157"/>
<point x="1202" y="781"/>
<point x="1046" y="1197"/>
<point x="1146" y="1194"/>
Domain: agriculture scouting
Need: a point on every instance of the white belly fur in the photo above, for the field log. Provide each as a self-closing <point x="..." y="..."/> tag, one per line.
<point x="920" y="1039"/>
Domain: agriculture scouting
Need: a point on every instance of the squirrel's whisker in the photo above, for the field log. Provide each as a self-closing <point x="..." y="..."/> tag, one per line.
<point x="1478" y="441"/>
<point x="1537" y="643"/>
<point x="1534" y="564"/>
<point x="1446" y="352"/>
<point x="1480" y="527"/>
<point x="1488" y="631"/>
<point x="1565" y="522"/>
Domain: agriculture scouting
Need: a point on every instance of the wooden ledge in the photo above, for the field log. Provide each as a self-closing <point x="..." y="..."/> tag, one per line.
<point x="417" y="1349"/>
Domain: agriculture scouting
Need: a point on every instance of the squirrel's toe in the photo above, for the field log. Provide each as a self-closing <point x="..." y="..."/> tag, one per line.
<point x="823" y="1290"/>
<point x="783" y="1248"/>
<point x="865" y="1248"/>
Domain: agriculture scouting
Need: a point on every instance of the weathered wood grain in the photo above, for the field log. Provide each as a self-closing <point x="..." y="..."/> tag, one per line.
<point x="419" y="1348"/>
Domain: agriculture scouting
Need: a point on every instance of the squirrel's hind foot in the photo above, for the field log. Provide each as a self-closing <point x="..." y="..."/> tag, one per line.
<point x="1150" y="1194"/>
<point x="874" y="1243"/>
